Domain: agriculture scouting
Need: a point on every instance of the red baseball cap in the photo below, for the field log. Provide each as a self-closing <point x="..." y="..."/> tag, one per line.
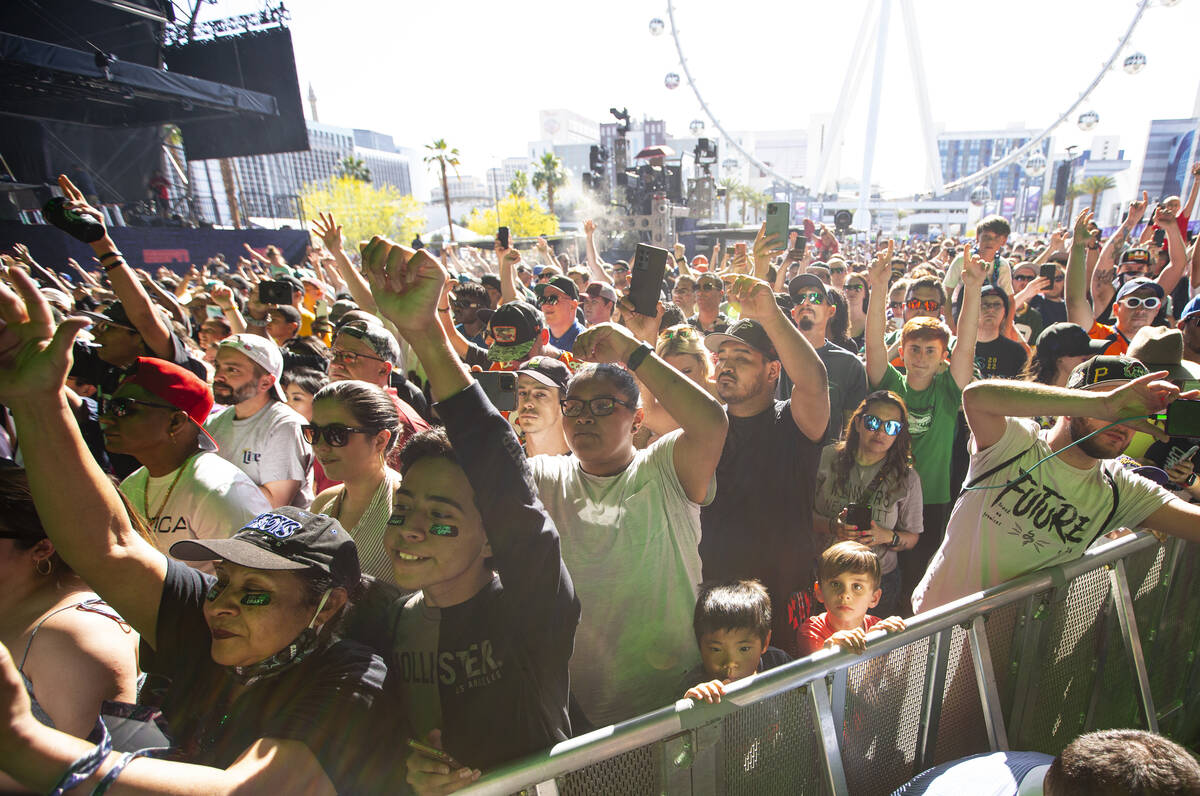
<point x="180" y="388"/>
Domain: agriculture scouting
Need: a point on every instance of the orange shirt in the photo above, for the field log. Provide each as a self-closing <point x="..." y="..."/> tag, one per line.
<point x="1118" y="345"/>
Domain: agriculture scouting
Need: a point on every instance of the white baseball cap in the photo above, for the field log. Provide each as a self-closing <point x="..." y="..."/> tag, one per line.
<point x="263" y="352"/>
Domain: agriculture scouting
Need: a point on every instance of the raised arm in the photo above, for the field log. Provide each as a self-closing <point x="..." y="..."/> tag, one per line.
<point x="124" y="281"/>
<point x="44" y="274"/>
<point x="810" y="382"/>
<point x="764" y="249"/>
<point x="701" y="417"/>
<point x="1186" y="210"/>
<point x="105" y="550"/>
<point x="1079" y="309"/>
<point x="222" y="296"/>
<point x="508" y="259"/>
<point x="330" y="233"/>
<point x="593" y="257"/>
<point x="1169" y="277"/>
<point x="873" y="336"/>
<point x="962" y="359"/>
<point x="1055" y="245"/>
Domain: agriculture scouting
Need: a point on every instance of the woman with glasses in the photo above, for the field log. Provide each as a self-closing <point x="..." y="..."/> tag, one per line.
<point x="354" y="427"/>
<point x="868" y="490"/>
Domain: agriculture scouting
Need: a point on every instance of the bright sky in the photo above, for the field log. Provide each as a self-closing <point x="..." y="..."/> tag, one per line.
<point x="477" y="72"/>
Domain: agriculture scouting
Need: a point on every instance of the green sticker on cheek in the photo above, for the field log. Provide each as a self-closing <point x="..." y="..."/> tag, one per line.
<point x="397" y="519"/>
<point x="213" y="592"/>
<point x="256" y="598"/>
<point x="443" y="530"/>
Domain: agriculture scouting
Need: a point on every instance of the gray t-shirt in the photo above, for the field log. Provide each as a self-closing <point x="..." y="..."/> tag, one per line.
<point x="630" y="543"/>
<point x="267" y="446"/>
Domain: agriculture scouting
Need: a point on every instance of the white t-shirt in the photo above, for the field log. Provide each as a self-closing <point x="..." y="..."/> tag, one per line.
<point x="1051" y="517"/>
<point x="211" y="500"/>
<point x="630" y="542"/>
<point x="267" y="446"/>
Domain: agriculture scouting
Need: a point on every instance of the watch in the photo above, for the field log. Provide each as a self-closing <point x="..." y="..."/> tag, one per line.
<point x="638" y="356"/>
<point x="895" y="540"/>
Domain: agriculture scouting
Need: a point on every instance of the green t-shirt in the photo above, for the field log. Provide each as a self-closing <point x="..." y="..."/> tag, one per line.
<point x="932" y="420"/>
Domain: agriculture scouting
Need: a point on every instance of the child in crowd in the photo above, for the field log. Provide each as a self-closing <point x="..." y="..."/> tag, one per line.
<point x="733" y="629"/>
<point x="848" y="585"/>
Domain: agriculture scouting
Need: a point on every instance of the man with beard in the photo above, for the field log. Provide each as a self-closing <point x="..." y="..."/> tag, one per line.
<point x="812" y="311"/>
<point x="760" y="523"/>
<point x="1038" y="498"/>
<point x="258" y="431"/>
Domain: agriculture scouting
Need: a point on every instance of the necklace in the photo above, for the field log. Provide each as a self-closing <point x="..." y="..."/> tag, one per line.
<point x="153" y="521"/>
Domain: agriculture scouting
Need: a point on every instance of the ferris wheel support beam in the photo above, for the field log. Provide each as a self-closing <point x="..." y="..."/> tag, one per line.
<point x="846" y="97"/>
<point x="933" y="165"/>
<point x="862" y="218"/>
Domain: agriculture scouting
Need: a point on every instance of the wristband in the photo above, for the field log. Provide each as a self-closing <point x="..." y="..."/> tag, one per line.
<point x="1191" y="479"/>
<point x="638" y="356"/>
<point x="111" y="776"/>
<point x="87" y="763"/>
<point x="106" y="255"/>
<point x="114" y="264"/>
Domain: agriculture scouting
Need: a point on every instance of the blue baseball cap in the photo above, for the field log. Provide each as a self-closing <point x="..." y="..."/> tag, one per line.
<point x="1138" y="284"/>
<point x="1191" y="308"/>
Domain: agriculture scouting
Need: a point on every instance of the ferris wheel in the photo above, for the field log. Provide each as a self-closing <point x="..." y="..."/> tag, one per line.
<point x="874" y="27"/>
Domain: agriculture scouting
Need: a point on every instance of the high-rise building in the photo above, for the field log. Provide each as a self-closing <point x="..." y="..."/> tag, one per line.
<point x="965" y="153"/>
<point x="560" y="127"/>
<point x="1168" y="155"/>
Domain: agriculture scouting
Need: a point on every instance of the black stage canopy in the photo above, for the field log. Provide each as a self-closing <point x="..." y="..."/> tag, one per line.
<point x="54" y="83"/>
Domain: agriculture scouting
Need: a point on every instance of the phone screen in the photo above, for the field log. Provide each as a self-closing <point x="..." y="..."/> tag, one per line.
<point x="1183" y="419"/>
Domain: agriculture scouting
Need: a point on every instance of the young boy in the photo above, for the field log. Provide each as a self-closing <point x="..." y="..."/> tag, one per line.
<point x="848" y="585"/>
<point x="733" y="629"/>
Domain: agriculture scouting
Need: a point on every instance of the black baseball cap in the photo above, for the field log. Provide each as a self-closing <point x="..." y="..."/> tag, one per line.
<point x="811" y="281"/>
<point x="490" y="280"/>
<point x="115" y="314"/>
<point x="1105" y="371"/>
<point x="514" y="328"/>
<point x="547" y="370"/>
<point x="563" y="283"/>
<point x="286" y="538"/>
<point x="1067" y="340"/>
<point x="745" y="331"/>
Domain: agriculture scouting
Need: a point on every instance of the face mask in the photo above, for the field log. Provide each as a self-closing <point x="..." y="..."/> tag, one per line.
<point x="286" y="658"/>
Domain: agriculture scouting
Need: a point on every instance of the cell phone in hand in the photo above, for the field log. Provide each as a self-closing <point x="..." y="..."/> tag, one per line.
<point x="502" y="237"/>
<point x="1183" y="419"/>
<point x="646" y="278"/>
<point x="778" y="216"/>
<point x="275" y="292"/>
<point x="797" y="253"/>
<point x="436" y="754"/>
<point x="858" y="516"/>
<point x="1048" y="271"/>
<point x="500" y="386"/>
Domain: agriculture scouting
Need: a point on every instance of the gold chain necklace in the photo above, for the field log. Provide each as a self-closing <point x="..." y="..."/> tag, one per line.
<point x="153" y="521"/>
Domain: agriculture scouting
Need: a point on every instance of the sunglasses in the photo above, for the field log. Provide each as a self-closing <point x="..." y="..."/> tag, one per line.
<point x="99" y="327"/>
<point x="602" y="406"/>
<point x="854" y="287"/>
<point x="1149" y="302"/>
<point x="895" y="305"/>
<point x="812" y="298"/>
<point x="350" y="357"/>
<point x="711" y="286"/>
<point x="124" y="406"/>
<point x="335" y="434"/>
<point x="465" y="305"/>
<point x="837" y="270"/>
<point x="928" y="305"/>
<point x="684" y="334"/>
<point x="890" y="427"/>
<point x="544" y="300"/>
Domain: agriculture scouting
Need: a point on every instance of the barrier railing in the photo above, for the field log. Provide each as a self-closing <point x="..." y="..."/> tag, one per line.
<point x="1108" y="640"/>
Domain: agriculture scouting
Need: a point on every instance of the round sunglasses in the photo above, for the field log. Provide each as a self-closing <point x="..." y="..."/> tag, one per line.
<point x="890" y="427"/>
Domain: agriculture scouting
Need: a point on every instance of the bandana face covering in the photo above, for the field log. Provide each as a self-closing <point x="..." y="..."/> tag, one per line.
<point x="300" y="648"/>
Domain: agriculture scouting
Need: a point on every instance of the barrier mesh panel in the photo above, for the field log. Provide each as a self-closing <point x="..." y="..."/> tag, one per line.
<point x="883" y="719"/>
<point x="961" y="730"/>
<point x="1065" y="677"/>
<point x="1001" y="627"/>
<point x="773" y="747"/>
<point x="635" y="772"/>
<point x="1169" y="654"/>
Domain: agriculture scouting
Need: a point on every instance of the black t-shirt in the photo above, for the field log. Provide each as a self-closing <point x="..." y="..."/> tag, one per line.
<point x="760" y="523"/>
<point x="491" y="672"/>
<point x="1051" y="311"/>
<point x="1001" y="358"/>
<point x="329" y="701"/>
<point x="847" y="376"/>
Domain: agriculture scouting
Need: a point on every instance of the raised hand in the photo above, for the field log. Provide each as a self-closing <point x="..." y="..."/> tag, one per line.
<point x="222" y="296"/>
<point x="34" y="356"/>
<point x="406" y="286"/>
<point x="605" y="342"/>
<point x="589" y="227"/>
<point x="753" y="295"/>
<point x="764" y="249"/>
<point x="644" y="327"/>
<point x="1137" y="209"/>
<point x="76" y="202"/>
<point x="880" y="271"/>
<point x="975" y="269"/>
<point x="1145" y="395"/>
<point x="1082" y="233"/>
<point x="329" y="231"/>
<point x="1164" y="217"/>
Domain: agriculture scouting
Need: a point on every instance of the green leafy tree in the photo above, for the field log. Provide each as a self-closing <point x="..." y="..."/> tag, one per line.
<point x="354" y="168"/>
<point x="549" y="177"/>
<point x="1096" y="186"/>
<point x="364" y="209"/>
<point x="440" y="158"/>
<point x="520" y="184"/>
<point x="523" y="216"/>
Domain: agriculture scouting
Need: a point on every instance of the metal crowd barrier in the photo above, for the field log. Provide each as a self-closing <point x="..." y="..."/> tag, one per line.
<point x="1108" y="640"/>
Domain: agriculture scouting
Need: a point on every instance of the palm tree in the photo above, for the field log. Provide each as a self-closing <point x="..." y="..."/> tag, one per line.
<point x="519" y="185"/>
<point x="731" y="186"/>
<point x="549" y="176"/>
<point x="1096" y="186"/>
<point x="354" y="168"/>
<point x="442" y="156"/>
<point x="744" y="194"/>
<point x="758" y="201"/>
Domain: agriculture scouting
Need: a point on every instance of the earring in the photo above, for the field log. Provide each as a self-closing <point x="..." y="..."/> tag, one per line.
<point x="48" y="568"/>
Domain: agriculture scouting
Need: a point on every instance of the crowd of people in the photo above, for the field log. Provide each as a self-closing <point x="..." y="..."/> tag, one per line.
<point x="259" y="515"/>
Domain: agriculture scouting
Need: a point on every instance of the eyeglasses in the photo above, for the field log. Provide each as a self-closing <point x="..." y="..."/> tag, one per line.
<point x="601" y="406"/>
<point x="620" y="269"/>
<point x="711" y="286"/>
<point x="837" y="270"/>
<point x="1149" y="302"/>
<point x="335" y="434"/>
<point x="123" y="406"/>
<point x="928" y="305"/>
<point x="895" y="305"/>
<point x="1022" y="278"/>
<point x="350" y="357"/>
<point x="855" y="287"/>
<point x="465" y="305"/>
<point x="890" y="427"/>
<point x="544" y="300"/>
<point x="812" y="298"/>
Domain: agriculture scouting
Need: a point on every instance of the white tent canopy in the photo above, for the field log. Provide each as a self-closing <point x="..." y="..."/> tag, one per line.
<point x="461" y="234"/>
